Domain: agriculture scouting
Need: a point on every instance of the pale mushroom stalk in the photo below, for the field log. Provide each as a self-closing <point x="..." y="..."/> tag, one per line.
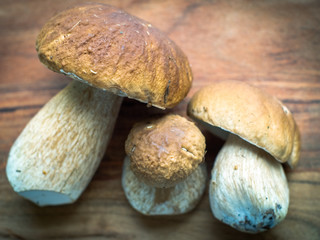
<point x="248" y="189"/>
<point x="174" y="200"/>
<point x="64" y="142"/>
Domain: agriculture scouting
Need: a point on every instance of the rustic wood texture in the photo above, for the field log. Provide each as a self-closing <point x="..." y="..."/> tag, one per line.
<point x="272" y="44"/>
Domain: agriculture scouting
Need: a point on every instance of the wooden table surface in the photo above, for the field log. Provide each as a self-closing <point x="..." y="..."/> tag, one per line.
<point x="271" y="44"/>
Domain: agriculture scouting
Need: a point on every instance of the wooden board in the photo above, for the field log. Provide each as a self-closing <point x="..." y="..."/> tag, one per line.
<point x="271" y="44"/>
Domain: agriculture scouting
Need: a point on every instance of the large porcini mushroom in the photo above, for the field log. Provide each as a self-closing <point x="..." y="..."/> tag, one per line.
<point x="164" y="172"/>
<point x="248" y="188"/>
<point x="109" y="54"/>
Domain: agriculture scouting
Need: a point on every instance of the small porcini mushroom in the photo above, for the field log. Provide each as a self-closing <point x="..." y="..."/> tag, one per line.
<point x="164" y="172"/>
<point x="248" y="188"/>
<point x="109" y="54"/>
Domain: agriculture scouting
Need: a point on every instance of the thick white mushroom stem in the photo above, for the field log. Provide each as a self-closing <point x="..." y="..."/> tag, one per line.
<point x="178" y="199"/>
<point x="248" y="189"/>
<point x="58" y="152"/>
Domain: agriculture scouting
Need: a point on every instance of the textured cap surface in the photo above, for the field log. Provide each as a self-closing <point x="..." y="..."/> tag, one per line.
<point x="165" y="151"/>
<point x="250" y="113"/>
<point x="111" y="49"/>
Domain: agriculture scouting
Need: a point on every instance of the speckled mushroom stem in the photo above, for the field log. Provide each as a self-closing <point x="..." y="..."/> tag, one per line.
<point x="58" y="152"/>
<point x="248" y="188"/>
<point x="154" y="201"/>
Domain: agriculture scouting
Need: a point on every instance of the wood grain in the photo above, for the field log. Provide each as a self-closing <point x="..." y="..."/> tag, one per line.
<point x="272" y="44"/>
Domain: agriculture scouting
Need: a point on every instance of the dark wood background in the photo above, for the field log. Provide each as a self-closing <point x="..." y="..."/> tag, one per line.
<point x="271" y="44"/>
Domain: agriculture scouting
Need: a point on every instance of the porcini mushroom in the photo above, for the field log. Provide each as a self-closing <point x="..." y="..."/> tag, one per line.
<point x="248" y="188"/>
<point x="109" y="54"/>
<point x="164" y="172"/>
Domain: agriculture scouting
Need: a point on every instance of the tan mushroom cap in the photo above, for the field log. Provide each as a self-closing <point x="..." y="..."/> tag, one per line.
<point x="113" y="50"/>
<point x="165" y="151"/>
<point x="250" y="113"/>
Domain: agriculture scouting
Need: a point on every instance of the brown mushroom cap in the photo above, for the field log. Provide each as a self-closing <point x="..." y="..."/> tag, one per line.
<point x="113" y="50"/>
<point x="165" y="151"/>
<point x="250" y="113"/>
